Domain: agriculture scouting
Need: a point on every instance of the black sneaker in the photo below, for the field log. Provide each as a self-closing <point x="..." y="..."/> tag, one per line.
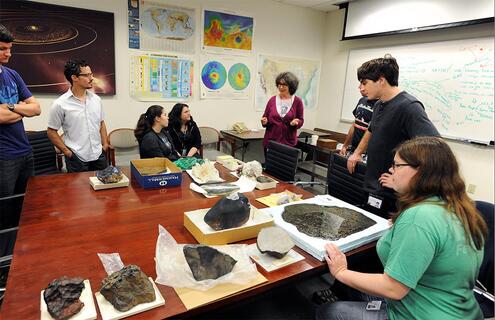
<point x="324" y="296"/>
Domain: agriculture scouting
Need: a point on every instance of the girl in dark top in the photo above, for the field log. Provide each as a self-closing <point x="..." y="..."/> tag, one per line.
<point x="154" y="140"/>
<point x="184" y="131"/>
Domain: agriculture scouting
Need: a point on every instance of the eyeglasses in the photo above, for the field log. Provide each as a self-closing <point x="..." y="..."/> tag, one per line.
<point x="398" y="165"/>
<point x="87" y="75"/>
<point x="282" y="84"/>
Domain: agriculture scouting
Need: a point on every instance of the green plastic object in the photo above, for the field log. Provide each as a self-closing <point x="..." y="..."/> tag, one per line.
<point x="187" y="163"/>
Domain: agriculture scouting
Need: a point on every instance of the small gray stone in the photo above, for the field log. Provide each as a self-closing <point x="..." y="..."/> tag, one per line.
<point x="62" y="297"/>
<point x="229" y="212"/>
<point x="207" y="263"/>
<point x="127" y="288"/>
<point x="110" y="174"/>
<point x="274" y="241"/>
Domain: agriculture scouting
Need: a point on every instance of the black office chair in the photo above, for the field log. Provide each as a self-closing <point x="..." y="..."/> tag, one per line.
<point x="485" y="276"/>
<point x="45" y="156"/>
<point x="343" y="185"/>
<point x="281" y="161"/>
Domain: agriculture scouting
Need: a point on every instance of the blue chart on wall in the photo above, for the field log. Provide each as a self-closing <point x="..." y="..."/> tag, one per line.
<point x="213" y="75"/>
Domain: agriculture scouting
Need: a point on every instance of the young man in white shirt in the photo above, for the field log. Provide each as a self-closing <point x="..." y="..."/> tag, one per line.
<point x="79" y="113"/>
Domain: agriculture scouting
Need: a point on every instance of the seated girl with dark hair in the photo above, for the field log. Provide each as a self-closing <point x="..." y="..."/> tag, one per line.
<point x="152" y="136"/>
<point x="184" y="131"/>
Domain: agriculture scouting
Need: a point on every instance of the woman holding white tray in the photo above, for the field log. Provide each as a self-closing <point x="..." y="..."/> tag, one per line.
<point x="433" y="251"/>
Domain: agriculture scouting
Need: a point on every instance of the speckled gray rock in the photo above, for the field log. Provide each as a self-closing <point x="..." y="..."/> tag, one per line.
<point x="327" y="222"/>
<point x="127" y="288"/>
<point x="110" y="174"/>
<point x="229" y="212"/>
<point x="62" y="297"/>
<point x="207" y="263"/>
<point x="274" y="241"/>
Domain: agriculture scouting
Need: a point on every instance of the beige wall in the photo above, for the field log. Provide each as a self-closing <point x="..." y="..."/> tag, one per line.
<point x="279" y="30"/>
<point x="477" y="163"/>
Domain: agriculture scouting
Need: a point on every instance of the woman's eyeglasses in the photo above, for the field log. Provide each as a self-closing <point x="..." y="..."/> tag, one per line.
<point x="398" y="165"/>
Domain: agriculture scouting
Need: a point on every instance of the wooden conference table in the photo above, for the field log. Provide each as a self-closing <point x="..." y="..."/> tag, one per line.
<point x="65" y="223"/>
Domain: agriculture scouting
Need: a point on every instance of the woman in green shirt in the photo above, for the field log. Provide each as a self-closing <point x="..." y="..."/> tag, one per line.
<point x="433" y="251"/>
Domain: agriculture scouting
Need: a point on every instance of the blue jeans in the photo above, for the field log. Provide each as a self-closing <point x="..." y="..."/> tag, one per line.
<point x="352" y="310"/>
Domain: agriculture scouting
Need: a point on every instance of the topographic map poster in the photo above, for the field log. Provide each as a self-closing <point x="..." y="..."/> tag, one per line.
<point x="164" y="27"/>
<point x="227" y="32"/>
<point x="307" y="71"/>
<point x="159" y="78"/>
<point x="226" y="77"/>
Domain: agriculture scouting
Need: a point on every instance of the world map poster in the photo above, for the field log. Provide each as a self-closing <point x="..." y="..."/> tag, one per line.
<point x="158" y="78"/>
<point x="307" y="71"/>
<point x="164" y="27"/>
<point x="224" y="31"/>
<point x="226" y="77"/>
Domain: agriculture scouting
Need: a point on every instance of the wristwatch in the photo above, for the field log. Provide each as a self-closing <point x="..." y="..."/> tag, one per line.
<point x="11" y="106"/>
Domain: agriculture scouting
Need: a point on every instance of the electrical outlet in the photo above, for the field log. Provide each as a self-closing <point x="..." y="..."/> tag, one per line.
<point x="471" y="188"/>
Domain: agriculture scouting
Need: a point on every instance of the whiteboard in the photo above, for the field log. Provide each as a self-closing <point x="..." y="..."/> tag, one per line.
<point x="453" y="79"/>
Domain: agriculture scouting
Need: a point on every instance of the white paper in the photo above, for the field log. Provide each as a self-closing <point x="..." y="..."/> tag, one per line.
<point x="270" y="263"/>
<point x="245" y="185"/>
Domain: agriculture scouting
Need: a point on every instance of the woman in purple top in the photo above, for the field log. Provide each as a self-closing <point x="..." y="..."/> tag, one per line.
<point x="284" y="113"/>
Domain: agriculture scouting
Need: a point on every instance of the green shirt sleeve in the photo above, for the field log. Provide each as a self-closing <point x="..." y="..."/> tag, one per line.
<point x="411" y="252"/>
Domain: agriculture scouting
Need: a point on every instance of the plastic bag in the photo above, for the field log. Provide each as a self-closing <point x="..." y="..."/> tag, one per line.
<point x="172" y="269"/>
<point x="111" y="262"/>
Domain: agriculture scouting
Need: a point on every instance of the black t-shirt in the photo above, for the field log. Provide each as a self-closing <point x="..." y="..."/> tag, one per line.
<point x="395" y="121"/>
<point x="362" y="117"/>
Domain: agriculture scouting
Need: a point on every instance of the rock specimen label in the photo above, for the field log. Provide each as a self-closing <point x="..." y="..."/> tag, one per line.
<point x="127" y="288"/>
<point x="62" y="297"/>
<point x="327" y="222"/>
<point x="207" y="262"/>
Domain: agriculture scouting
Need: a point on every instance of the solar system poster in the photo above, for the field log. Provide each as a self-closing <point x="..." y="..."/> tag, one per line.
<point x="46" y="36"/>
<point x="226" y="77"/>
<point x="227" y="32"/>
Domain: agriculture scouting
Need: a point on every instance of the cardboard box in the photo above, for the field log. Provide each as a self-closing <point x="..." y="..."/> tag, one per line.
<point x="171" y="179"/>
<point x="204" y="234"/>
<point x="327" y="143"/>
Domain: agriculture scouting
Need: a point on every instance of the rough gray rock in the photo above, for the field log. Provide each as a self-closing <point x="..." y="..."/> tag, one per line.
<point x="62" y="297"/>
<point x="229" y="212"/>
<point x="110" y="174"/>
<point x="127" y="288"/>
<point x="327" y="222"/>
<point x="207" y="263"/>
<point x="274" y="241"/>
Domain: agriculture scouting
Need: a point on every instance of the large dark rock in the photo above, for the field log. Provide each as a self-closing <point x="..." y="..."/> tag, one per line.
<point x="327" y="222"/>
<point x="207" y="263"/>
<point x="127" y="288"/>
<point x="229" y="212"/>
<point x="274" y="241"/>
<point x="109" y="175"/>
<point x="62" y="297"/>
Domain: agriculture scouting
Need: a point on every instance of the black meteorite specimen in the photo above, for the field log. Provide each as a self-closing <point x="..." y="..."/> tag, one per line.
<point x="229" y="212"/>
<point x="127" y="288"/>
<point x="327" y="222"/>
<point x="62" y="297"/>
<point x="109" y="175"/>
<point x="274" y="241"/>
<point x="207" y="263"/>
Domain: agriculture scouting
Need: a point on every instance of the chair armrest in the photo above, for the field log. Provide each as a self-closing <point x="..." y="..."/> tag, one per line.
<point x="201" y="151"/>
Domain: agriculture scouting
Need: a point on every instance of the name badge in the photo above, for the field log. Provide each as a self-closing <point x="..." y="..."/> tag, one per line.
<point x="373" y="305"/>
<point x="374" y="201"/>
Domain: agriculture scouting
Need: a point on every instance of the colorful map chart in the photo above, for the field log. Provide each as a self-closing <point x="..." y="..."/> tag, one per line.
<point x="307" y="71"/>
<point x="239" y="76"/>
<point x="166" y="28"/>
<point x="226" y="31"/>
<point x="214" y="76"/>
<point x="156" y="78"/>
